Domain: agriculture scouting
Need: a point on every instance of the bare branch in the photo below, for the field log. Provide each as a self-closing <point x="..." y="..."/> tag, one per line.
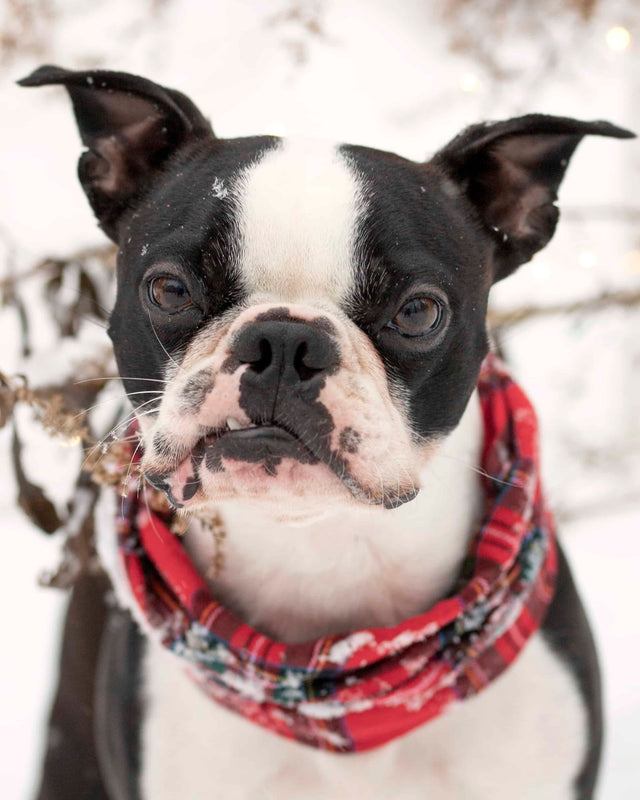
<point x="104" y="253"/>
<point x="608" y="213"/>
<point x="621" y="299"/>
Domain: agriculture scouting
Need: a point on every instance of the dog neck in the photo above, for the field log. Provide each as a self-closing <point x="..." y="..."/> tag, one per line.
<point x="353" y="567"/>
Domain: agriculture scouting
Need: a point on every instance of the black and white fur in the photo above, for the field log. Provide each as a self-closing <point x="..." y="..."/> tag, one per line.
<point x="340" y="446"/>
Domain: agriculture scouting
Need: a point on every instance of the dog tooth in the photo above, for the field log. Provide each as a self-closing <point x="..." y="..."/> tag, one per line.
<point x="233" y="424"/>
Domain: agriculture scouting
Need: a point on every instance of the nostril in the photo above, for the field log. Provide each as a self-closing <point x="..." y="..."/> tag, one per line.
<point x="266" y="356"/>
<point x="305" y="372"/>
<point x="261" y="357"/>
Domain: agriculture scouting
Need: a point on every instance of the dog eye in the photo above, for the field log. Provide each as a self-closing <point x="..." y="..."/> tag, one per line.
<point x="169" y="293"/>
<point x="417" y="317"/>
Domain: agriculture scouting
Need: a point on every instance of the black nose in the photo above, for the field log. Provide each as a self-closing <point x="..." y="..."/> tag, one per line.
<point x="291" y="352"/>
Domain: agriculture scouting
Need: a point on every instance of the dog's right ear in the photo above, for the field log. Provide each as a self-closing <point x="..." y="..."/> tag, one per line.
<point x="130" y="126"/>
<point x="510" y="172"/>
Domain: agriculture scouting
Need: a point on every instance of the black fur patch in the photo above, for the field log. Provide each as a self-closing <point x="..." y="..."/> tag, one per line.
<point x="230" y="364"/>
<point x="162" y="444"/>
<point x="283" y="314"/>
<point x="195" y="390"/>
<point x="567" y="631"/>
<point x="184" y="223"/>
<point x="349" y="440"/>
<point x="416" y="235"/>
<point x="160" y="482"/>
<point x="191" y="486"/>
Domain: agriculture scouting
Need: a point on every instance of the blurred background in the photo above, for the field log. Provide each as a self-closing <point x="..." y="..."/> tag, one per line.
<point x="403" y="76"/>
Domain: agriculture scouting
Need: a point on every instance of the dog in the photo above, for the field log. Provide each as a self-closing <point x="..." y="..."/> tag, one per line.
<point x="300" y="328"/>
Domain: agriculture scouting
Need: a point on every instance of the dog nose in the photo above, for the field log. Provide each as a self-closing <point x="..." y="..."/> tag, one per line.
<point x="291" y="351"/>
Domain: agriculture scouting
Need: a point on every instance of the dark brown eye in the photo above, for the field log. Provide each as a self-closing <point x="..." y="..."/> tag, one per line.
<point x="417" y="317"/>
<point x="170" y="294"/>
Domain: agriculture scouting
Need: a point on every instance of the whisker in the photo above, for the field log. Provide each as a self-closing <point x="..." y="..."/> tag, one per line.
<point x="477" y="469"/>
<point x="120" y="398"/>
<point x="136" y="410"/>
<point x="119" y="378"/>
<point x="127" y="420"/>
<point x="126" y="480"/>
<point x="148" y="411"/>
<point x="94" y="321"/>
<point x="161" y="345"/>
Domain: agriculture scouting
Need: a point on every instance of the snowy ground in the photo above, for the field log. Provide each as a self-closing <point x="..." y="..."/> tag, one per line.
<point x="379" y="74"/>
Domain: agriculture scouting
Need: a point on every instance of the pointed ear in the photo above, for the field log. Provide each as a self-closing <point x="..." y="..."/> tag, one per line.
<point x="511" y="171"/>
<point x="130" y="126"/>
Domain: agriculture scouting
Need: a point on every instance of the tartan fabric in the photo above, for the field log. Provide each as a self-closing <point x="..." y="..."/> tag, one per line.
<point x="355" y="692"/>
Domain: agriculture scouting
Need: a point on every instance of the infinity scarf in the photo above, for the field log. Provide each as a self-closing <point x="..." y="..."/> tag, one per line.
<point x="354" y="692"/>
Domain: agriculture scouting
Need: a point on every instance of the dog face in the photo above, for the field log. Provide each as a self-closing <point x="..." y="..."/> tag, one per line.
<point x="311" y="326"/>
<point x="299" y="322"/>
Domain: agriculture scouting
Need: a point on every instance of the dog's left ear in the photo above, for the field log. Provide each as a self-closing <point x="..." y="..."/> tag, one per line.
<point x="511" y="171"/>
<point x="131" y="127"/>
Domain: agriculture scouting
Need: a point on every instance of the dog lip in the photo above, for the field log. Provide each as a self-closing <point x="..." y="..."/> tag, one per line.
<point x="271" y="438"/>
<point x="272" y="432"/>
<point x="253" y="431"/>
<point x="263" y="432"/>
<point x="265" y="444"/>
<point x="161" y="484"/>
<point x="272" y="442"/>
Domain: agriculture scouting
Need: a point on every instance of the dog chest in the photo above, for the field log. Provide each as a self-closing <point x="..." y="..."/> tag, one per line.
<point x="524" y="736"/>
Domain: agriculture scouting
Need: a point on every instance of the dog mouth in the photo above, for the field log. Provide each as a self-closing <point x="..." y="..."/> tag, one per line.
<point x="260" y="443"/>
<point x="242" y="452"/>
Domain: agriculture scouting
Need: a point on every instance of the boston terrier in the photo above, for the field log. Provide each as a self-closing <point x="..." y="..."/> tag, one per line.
<point x="300" y="327"/>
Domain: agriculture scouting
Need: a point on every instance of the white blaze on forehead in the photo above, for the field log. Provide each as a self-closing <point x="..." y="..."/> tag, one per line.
<point x="298" y="211"/>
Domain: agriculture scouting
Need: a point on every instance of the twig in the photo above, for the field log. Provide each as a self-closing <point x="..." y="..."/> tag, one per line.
<point x="79" y="550"/>
<point x="609" y="213"/>
<point x="623" y="299"/>
<point x="104" y="253"/>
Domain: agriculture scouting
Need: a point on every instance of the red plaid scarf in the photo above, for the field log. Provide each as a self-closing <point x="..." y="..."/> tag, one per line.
<point x="355" y="692"/>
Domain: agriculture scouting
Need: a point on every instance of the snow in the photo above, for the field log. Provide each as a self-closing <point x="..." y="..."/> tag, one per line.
<point x="383" y="75"/>
<point x="604" y="552"/>
<point x="218" y="189"/>
<point x="342" y="650"/>
<point x="31" y="641"/>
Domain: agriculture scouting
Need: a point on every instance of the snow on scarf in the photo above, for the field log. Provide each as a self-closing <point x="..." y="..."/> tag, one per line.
<point x="358" y="691"/>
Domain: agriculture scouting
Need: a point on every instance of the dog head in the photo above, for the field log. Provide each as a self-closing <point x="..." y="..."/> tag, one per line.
<point x="296" y="322"/>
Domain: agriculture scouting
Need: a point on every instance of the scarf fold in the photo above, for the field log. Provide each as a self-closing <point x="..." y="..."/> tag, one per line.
<point x="358" y="691"/>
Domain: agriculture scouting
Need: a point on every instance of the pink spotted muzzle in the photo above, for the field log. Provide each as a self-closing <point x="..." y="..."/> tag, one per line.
<point x="283" y="406"/>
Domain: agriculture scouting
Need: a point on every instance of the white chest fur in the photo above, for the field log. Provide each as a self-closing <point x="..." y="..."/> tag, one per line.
<point x="523" y="737"/>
